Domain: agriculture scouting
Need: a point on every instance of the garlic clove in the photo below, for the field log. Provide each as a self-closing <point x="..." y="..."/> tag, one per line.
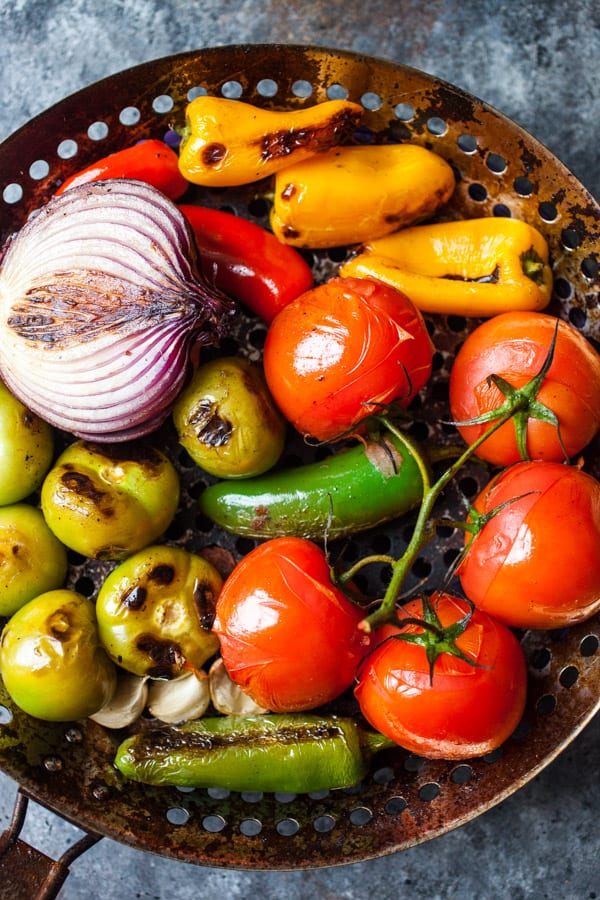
<point x="126" y="704"/>
<point x="179" y="699"/>
<point x="227" y="697"/>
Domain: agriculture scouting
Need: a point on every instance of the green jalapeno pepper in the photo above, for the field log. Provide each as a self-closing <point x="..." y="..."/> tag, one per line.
<point x="353" y="489"/>
<point x="288" y="752"/>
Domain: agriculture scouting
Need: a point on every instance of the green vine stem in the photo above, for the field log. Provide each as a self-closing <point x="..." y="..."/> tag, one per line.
<point x="424" y="529"/>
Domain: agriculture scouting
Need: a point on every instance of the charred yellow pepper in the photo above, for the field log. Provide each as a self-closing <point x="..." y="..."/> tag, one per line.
<point x="476" y="267"/>
<point x="352" y="194"/>
<point x="228" y="142"/>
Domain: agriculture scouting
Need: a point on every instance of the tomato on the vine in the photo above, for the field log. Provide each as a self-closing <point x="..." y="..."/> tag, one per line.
<point x="514" y="346"/>
<point x="535" y="562"/>
<point x="289" y="637"/>
<point x="344" y="350"/>
<point x="451" y="708"/>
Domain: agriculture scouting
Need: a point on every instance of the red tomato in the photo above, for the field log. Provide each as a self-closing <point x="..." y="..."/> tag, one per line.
<point x="536" y="562"/>
<point x="289" y="636"/>
<point x="464" y="710"/>
<point x="340" y="351"/>
<point x="514" y="346"/>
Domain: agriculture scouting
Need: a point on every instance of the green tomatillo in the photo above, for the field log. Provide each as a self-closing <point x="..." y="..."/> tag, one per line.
<point x="32" y="559"/>
<point x="156" y="609"/>
<point x="51" y="660"/>
<point x="227" y="420"/>
<point x="108" y="501"/>
<point x="26" y="449"/>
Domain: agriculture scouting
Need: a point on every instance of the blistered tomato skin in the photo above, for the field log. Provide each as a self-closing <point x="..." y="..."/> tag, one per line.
<point x="26" y="449"/>
<point x="289" y="637"/>
<point x="156" y="609"/>
<point x="465" y="710"/>
<point x="32" y="559"/>
<point x="51" y="661"/>
<point x="108" y="501"/>
<point x="342" y="351"/>
<point x="536" y="562"/>
<point x="227" y="421"/>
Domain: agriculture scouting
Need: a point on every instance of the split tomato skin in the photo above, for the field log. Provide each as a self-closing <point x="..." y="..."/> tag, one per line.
<point x="464" y="710"/>
<point x="536" y="562"/>
<point x="514" y="345"/>
<point x="342" y="351"/>
<point x="289" y="637"/>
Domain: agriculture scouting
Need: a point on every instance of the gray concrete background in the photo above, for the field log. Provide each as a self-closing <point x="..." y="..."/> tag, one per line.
<point x="537" y="63"/>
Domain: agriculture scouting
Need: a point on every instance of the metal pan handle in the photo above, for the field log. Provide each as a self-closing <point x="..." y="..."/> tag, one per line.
<point x="25" y="872"/>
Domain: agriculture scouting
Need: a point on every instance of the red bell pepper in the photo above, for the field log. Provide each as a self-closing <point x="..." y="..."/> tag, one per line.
<point x="151" y="161"/>
<point x="247" y="262"/>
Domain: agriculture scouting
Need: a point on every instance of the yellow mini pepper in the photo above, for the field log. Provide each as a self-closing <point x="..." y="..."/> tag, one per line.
<point x="475" y="267"/>
<point x="228" y="142"/>
<point x="352" y="194"/>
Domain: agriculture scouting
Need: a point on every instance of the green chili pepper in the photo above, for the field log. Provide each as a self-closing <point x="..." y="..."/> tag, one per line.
<point x="351" y="490"/>
<point x="288" y="752"/>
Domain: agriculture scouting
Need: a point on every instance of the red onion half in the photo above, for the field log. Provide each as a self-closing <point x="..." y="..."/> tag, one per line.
<point x="101" y="304"/>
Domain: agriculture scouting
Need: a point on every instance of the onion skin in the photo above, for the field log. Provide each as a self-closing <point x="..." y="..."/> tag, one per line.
<point x="103" y="308"/>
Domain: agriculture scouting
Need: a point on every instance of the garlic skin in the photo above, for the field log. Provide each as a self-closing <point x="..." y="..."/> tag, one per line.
<point x="179" y="699"/>
<point x="228" y="697"/>
<point x="127" y="703"/>
<point x="102" y="306"/>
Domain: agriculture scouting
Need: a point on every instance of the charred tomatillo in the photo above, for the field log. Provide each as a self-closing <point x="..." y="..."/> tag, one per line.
<point x="32" y="559"/>
<point x="51" y="660"/>
<point x="108" y="501"/>
<point x="26" y="449"/>
<point x="227" y="420"/>
<point x="156" y="609"/>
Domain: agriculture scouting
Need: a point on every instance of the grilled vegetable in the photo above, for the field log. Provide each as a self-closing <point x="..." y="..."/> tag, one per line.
<point x="32" y="559"/>
<point x="156" y="609"/>
<point x="26" y="449"/>
<point x="226" y="420"/>
<point x="228" y="142"/>
<point x="349" y="491"/>
<point x="51" y="660"/>
<point x="477" y="267"/>
<point x="354" y="194"/>
<point x="291" y="753"/>
<point x="247" y="261"/>
<point x="108" y="501"/>
<point x="151" y="161"/>
<point x="342" y="352"/>
<point x="101" y="304"/>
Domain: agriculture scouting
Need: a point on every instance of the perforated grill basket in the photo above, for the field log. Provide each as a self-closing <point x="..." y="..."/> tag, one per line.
<point x="500" y="171"/>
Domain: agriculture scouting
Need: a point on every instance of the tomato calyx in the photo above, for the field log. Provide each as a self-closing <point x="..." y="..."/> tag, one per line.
<point x="522" y="404"/>
<point x="433" y="637"/>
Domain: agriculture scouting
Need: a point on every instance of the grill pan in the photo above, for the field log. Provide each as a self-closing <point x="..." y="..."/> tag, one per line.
<point x="501" y="170"/>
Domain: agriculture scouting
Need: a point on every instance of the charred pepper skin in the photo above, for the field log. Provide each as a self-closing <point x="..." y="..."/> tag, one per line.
<point x="352" y="490"/>
<point x="476" y="267"/>
<point x="229" y="142"/>
<point x="353" y="194"/>
<point x="292" y="753"/>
